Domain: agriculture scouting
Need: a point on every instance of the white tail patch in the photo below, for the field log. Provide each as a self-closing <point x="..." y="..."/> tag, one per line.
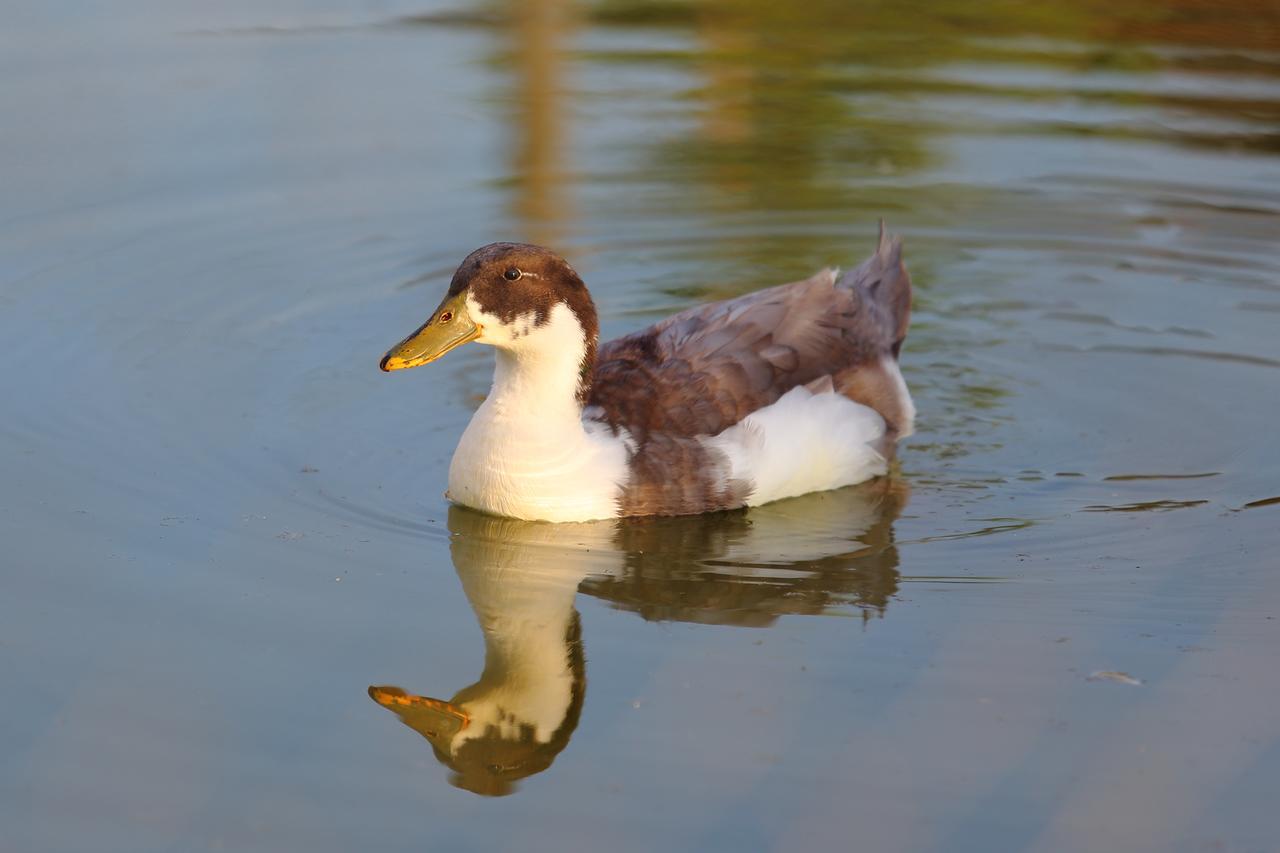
<point x="805" y="442"/>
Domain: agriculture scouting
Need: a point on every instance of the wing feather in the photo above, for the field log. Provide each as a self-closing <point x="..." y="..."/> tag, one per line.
<point x="704" y="369"/>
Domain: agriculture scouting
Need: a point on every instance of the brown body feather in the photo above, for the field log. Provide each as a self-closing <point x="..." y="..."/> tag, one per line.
<point x="703" y="370"/>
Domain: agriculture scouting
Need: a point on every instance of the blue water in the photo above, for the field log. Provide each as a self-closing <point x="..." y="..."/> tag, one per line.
<point x="1053" y="629"/>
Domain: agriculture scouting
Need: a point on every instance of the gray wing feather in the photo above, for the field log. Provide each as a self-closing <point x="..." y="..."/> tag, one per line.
<point x="704" y="369"/>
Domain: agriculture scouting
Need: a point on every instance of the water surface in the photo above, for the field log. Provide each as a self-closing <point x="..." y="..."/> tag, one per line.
<point x="1053" y="629"/>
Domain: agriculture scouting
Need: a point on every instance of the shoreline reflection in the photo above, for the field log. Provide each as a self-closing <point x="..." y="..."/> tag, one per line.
<point x="818" y="554"/>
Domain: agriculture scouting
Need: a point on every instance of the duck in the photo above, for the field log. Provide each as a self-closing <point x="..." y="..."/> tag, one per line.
<point x="777" y="393"/>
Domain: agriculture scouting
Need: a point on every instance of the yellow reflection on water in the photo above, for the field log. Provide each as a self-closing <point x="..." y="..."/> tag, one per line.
<point x="539" y="123"/>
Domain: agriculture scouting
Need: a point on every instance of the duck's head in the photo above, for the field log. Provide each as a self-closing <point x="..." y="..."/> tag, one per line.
<point x="514" y="296"/>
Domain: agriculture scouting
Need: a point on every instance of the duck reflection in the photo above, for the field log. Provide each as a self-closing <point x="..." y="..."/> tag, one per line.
<point x="521" y="578"/>
<point x="831" y="551"/>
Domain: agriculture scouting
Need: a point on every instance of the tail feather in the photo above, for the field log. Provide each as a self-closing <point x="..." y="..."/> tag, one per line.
<point x="884" y="286"/>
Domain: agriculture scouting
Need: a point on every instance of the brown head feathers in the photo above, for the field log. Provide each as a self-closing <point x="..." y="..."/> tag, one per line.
<point x="513" y="279"/>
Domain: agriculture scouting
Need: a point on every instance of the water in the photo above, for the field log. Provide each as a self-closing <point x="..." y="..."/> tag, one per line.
<point x="1054" y="629"/>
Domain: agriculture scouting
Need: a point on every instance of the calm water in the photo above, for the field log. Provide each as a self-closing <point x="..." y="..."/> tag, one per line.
<point x="1055" y="628"/>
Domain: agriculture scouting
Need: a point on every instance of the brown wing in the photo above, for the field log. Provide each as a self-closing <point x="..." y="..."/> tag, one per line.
<point x="704" y="369"/>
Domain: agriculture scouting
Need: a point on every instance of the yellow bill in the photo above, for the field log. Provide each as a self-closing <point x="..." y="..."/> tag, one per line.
<point x="435" y="719"/>
<point x="449" y="327"/>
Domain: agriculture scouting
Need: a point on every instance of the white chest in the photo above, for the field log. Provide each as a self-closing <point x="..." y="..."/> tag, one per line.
<point x="540" y="470"/>
<point x="527" y="453"/>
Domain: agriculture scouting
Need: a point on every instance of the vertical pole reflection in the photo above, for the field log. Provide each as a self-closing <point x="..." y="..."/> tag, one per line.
<point x="540" y="32"/>
<point x="726" y="112"/>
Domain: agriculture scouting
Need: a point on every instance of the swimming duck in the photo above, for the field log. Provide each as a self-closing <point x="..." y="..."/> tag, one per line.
<point x="774" y="394"/>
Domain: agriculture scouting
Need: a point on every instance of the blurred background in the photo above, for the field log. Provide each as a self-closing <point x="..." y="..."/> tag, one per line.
<point x="1052" y="629"/>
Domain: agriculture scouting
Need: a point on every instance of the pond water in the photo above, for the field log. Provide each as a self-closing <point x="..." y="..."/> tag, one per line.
<point x="231" y="577"/>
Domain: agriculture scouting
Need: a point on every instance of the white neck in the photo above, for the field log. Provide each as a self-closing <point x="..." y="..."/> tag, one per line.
<point x="540" y="378"/>
<point x="538" y="366"/>
<point x="527" y="453"/>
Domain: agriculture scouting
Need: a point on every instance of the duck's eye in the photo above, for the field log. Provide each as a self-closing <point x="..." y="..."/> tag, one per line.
<point x="446" y="316"/>
<point x="512" y="274"/>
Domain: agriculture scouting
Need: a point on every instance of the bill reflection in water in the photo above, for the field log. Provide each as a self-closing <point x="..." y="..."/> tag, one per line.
<point x="824" y="553"/>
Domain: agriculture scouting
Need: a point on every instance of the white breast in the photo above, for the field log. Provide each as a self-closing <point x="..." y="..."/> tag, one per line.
<point x="540" y="470"/>
<point x="527" y="453"/>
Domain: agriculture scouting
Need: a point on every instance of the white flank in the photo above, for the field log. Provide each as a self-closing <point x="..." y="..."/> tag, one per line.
<point x="804" y="442"/>
<point x="527" y="453"/>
